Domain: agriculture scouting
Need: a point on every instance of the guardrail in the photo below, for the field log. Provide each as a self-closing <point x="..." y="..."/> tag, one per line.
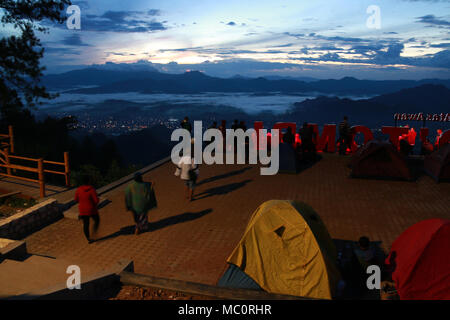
<point x="10" y="137"/>
<point x="5" y="162"/>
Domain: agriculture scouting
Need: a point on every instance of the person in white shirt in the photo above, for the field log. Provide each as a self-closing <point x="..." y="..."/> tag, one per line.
<point x="188" y="173"/>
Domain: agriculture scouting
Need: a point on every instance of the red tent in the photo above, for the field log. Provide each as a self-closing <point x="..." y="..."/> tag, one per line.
<point x="437" y="164"/>
<point x="420" y="261"/>
<point x="378" y="159"/>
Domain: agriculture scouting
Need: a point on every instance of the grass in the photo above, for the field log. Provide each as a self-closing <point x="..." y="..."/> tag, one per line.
<point x="11" y="205"/>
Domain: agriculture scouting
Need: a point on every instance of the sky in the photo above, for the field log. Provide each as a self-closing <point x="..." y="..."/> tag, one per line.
<point x="409" y="39"/>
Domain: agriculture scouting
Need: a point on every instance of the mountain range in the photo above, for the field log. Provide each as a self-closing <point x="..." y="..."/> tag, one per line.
<point x="375" y="111"/>
<point x="94" y="80"/>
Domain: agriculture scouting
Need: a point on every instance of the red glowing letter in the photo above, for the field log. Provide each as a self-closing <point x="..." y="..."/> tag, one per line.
<point x="444" y="139"/>
<point x="394" y="133"/>
<point x="285" y="125"/>
<point x="368" y="135"/>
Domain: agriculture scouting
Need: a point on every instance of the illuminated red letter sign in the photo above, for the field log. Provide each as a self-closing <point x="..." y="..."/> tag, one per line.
<point x="444" y="139"/>
<point x="394" y="133"/>
<point x="423" y="134"/>
<point x="284" y="125"/>
<point x="327" y="139"/>
<point x="368" y="135"/>
<point x="257" y="126"/>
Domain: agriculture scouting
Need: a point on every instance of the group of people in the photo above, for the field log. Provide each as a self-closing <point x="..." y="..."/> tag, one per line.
<point x="308" y="137"/>
<point x="139" y="200"/>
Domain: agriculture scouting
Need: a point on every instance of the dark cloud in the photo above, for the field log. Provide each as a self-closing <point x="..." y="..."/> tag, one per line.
<point x="74" y="40"/>
<point x="295" y="35"/>
<point x="315" y="36"/>
<point x="123" y="54"/>
<point x="231" y="23"/>
<point x="120" y="21"/>
<point x="432" y="20"/>
<point x="282" y="45"/>
<point x="154" y="12"/>
<point x="225" y="52"/>
<point x="337" y="38"/>
<point x="61" y="51"/>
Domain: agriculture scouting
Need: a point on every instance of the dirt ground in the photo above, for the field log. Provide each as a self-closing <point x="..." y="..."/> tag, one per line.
<point x="14" y="204"/>
<point x="138" y="293"/>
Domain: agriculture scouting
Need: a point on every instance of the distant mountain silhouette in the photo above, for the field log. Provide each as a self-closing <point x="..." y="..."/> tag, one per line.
<point x="425" y="98"/>
<point x="151" y="81"/>
<point x="379" y="110"/>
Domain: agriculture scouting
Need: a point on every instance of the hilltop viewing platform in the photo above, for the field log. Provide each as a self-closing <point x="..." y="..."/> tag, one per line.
<point x="191" y="241"/>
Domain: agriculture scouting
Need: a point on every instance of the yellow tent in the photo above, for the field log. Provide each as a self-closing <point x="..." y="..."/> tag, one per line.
<point x="286" y="249"/>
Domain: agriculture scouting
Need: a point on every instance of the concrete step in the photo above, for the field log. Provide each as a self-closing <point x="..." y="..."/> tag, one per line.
<point x="18" y="277"/>
<point x="58" y="267"/>
<point x="34" y="273"/>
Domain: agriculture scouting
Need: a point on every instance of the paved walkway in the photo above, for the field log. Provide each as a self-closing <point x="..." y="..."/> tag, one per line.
<point x="30" y="189"/>
<point x="191" y="241"/>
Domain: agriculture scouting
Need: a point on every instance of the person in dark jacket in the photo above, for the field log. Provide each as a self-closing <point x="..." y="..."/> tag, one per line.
<point x="345" y="136"/>
<point x="307" y="137"/>
<point x="185" y="124"/>
<point x="235" y="124"/>
<point x="140" y="199"/>
<point x="289" y="137"/>
<point x="87" y="199"/>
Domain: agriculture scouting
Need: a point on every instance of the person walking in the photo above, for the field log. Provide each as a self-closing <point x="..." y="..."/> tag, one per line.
<point x="344" y="136"/>
<point x="140" y="199"/>
<point x="188" y="172"/>
<point x="87" y="199"/>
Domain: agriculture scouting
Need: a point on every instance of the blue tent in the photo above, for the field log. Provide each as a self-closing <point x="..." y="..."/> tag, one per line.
<point x="288" y="159"/>
<point x="236" y="278"/>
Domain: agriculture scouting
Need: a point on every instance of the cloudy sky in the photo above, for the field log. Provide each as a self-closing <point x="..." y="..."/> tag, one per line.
<point x="311" y="38"/>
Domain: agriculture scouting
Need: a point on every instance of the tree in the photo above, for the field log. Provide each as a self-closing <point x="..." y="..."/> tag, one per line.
<point x="20" y="53"/>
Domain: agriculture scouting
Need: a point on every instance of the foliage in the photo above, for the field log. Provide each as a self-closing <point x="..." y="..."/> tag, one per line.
<point x="17" y="202"/>
<point x="20" y="53"/>
<point x="97" y="179"/>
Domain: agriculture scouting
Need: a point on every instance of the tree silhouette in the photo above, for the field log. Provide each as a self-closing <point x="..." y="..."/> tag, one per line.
<point x="21" y="52"/>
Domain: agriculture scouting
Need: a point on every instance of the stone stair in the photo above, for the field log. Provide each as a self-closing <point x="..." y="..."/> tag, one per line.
<point x="35" y="273"/>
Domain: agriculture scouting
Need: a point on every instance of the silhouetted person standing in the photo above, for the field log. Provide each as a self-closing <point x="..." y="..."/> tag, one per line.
<point x="288" y="137"/>
<point x="308" y="147"/>
<point x="235" y="125"/>
<point x="344" y="136"/>
<point x="214" y="125"/>
<point x="185" y="124"/>
<point x="87" y="199"/>
<point x="139" y="199"/>
<point x="242" y="126"/>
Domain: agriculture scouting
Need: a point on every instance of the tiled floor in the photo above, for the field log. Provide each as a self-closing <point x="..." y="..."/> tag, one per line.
<point x="191" y="241"/>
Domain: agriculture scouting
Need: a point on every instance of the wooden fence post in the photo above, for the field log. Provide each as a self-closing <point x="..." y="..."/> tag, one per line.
<point x="7" y="160"/>
<point x="11" y="138"/>
<point x="67" y="168"/>
<point x="41" y="177"/>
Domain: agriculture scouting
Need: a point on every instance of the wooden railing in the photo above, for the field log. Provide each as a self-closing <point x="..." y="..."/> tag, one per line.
<point x="6" y="148"/>
<point x="10" y="138"/>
